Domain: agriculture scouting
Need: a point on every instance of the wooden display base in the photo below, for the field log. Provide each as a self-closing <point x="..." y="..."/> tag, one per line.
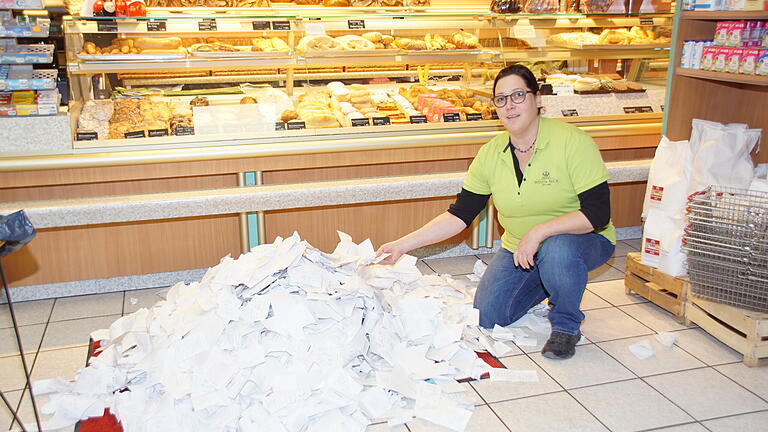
<point x="743" y="330"/>
<point x="659" y="288"/>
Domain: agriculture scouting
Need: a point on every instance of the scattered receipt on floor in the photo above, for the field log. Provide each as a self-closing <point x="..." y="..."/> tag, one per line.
<point x="286" y="338"/>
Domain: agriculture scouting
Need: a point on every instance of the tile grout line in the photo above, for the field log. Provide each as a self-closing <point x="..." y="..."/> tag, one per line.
<point x="738" y="384"/>
<point x="649" y="385"/>
<point x="733" y="415"/>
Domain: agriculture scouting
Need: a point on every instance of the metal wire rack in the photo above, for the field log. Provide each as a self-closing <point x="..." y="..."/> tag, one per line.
<point x="727" y="245"/>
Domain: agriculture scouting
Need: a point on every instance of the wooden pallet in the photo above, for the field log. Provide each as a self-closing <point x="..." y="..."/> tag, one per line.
<point x="743" y="330"/>
<point x="659" y="288"/>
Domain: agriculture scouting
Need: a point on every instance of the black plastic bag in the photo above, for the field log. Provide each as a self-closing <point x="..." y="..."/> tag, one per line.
<point x="15" y="231"/>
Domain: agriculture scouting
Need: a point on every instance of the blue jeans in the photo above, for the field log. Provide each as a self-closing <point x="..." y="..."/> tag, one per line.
<point x="507" y="292"/>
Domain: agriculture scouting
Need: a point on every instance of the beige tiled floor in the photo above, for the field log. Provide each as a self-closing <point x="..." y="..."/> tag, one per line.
<point x="698" y="385"/>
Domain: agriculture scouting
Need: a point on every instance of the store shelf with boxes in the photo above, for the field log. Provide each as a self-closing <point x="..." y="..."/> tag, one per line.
<point x="25" y="90"/>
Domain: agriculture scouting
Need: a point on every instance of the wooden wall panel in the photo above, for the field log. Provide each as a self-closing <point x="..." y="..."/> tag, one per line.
<point x="101" y="251"/>
<point x="381" y="222"/>
<point x="86" y="190"/>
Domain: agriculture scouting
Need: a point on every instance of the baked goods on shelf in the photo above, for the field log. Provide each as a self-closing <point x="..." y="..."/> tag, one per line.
<point x="618" y="36"/>
<point x="268" y="44"/>
<point x="207" y="3"/>
<point x="586" y="84"/>
<point x="336" y="3"/>
<point x="199" y="101"/>
<point x="435" y="42"/>
<point x="314" y="109"/>
<point x="95" y="116"/>
<point x="542" y="7"/>
<point x="319" y="43"/>
<point x="354" y="42"/>
<point x="138" y="115"/>
<point x="248" y="100"/>
<point x="141" y="45"/>
<point x="362" y="3"/>
<point x="214" y="47"/>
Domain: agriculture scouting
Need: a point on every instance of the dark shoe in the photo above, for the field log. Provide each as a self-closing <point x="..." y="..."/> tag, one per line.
<point x="560" y="345"/>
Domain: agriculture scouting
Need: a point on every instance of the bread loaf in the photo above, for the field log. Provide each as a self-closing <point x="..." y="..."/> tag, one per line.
<point x="167" y="43"/>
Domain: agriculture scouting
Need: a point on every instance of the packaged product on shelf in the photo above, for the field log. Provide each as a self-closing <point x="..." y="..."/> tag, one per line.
<point x="757" y="34"/>
<point x="762" y="63"/>
<point x="746" y="36"/>
<point x="708" y="57"/>
<point x="748" y="61"/>
<point x="735" y="33"/>
<point x="698" y="50"/>
<point x="718" y="65"/>
<point x="506" y="6"/>
<point x="722" y="29"/>
<point x="710" y="5"/>
<point x="686" y="57"/>
<point x="596" y="6"/>
<point x="733" y="60"/>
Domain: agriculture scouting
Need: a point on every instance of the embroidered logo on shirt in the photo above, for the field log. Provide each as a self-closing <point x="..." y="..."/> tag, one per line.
<point x="546" y="179"/>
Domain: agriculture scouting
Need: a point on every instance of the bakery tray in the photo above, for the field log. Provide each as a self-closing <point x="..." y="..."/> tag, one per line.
<point x="443" y="52"/>
<point x="130" y="57"/>
<point x="602" y="91"/>
<point x="28" y="54"/>
<point x="243" y="54"/>
<point x="42" y="79"/>
<point x="608" y="46"/>
<point x="349" y="53"/>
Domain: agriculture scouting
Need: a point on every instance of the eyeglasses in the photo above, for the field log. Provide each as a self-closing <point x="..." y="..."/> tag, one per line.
<point x="517" y="96"/>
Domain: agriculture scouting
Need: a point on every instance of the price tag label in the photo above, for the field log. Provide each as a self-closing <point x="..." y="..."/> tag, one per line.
<point x="562" y="89"/>
<point x="314" y="29"/>
<point x="184" y="130"/>
<point x="398" y="17"/>
<point x="134" y="134"/>
<point x="360" y="122"/>
<point x="646" y="21"/>
<point x="451" y="117"/>
<point x="107" y="26"/>
<point x="279" y="126"/>
<point x="523" y="31"/>
<point x="638" y="109"/>
<point x="261" y="25"/>
<point x="474" y="116"/>
<point x="296" y="125"/>
<point x="569" y="113"/>
<point x="207" y="24"/>
<point x="158" y="132"/>
<point x="356" y="24"/>
<point x="156" y="25"/>
<point x="281" y="25"/>
<point x="418" y="119"/>
<point x="86" y="136"/>
<point x="381" y="121"/>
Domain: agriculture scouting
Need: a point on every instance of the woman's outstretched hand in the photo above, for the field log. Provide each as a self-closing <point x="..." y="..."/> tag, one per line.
<point x="395" y="251"/>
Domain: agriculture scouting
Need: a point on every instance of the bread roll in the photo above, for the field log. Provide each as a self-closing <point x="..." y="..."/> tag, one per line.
<point x="374" y="37"/>
<point x="168" y="43"/>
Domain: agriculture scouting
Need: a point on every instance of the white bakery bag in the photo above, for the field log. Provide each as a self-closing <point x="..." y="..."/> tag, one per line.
<point x="668" y="179"/>
<point x="662" y="243"/>
<point x="721" y="155"/>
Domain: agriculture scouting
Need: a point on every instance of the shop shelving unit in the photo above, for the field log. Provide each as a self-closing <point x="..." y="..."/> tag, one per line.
<point x="715" y="96"/>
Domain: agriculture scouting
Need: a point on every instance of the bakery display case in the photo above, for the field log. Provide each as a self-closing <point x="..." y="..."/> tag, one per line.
<point x="262" y="75"/>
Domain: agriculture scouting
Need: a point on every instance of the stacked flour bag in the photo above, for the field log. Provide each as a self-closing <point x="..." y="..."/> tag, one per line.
<point x="664" y="207"/>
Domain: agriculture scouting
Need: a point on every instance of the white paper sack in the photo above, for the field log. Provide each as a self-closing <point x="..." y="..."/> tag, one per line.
<point x="666" y="338"/>
<point x="286" y="338"/>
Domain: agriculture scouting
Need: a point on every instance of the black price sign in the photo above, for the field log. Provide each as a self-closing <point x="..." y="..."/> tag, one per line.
<point x="281" y="25"/>
<point x="570" y="113"/>
<point x="638" y="109"/>
<point x="279" y="126"/>
<point x="398" y="17"/>
<point x="381" y="121"/>
<point x="207" y="24"/>
<point x="135" y="134"/>
<point x="451" y="117"/>
<point x="646" y="21"/>
<point x="86" y="136"/>
<point x="361" y="122"/>
<point x="158" y="132"/>
<point x="107" y="26"/>
<point x="356" y="24"/>
<point x="261" y="25"/>
<point x="474" y="116"/>
<point x="418" y="119"/>
<point x="296" y="125"/>
<point x="156" y="25"/>
<point x="184" y="130"/>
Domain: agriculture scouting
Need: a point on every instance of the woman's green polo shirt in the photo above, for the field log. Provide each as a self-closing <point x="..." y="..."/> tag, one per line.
<point x="566" y="163"/>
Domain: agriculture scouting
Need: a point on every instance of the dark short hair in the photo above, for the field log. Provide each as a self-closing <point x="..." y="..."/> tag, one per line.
<point x="523" y="72"/>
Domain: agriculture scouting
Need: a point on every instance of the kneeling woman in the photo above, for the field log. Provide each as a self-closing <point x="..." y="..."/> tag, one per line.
<point x="550" y="187"/>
